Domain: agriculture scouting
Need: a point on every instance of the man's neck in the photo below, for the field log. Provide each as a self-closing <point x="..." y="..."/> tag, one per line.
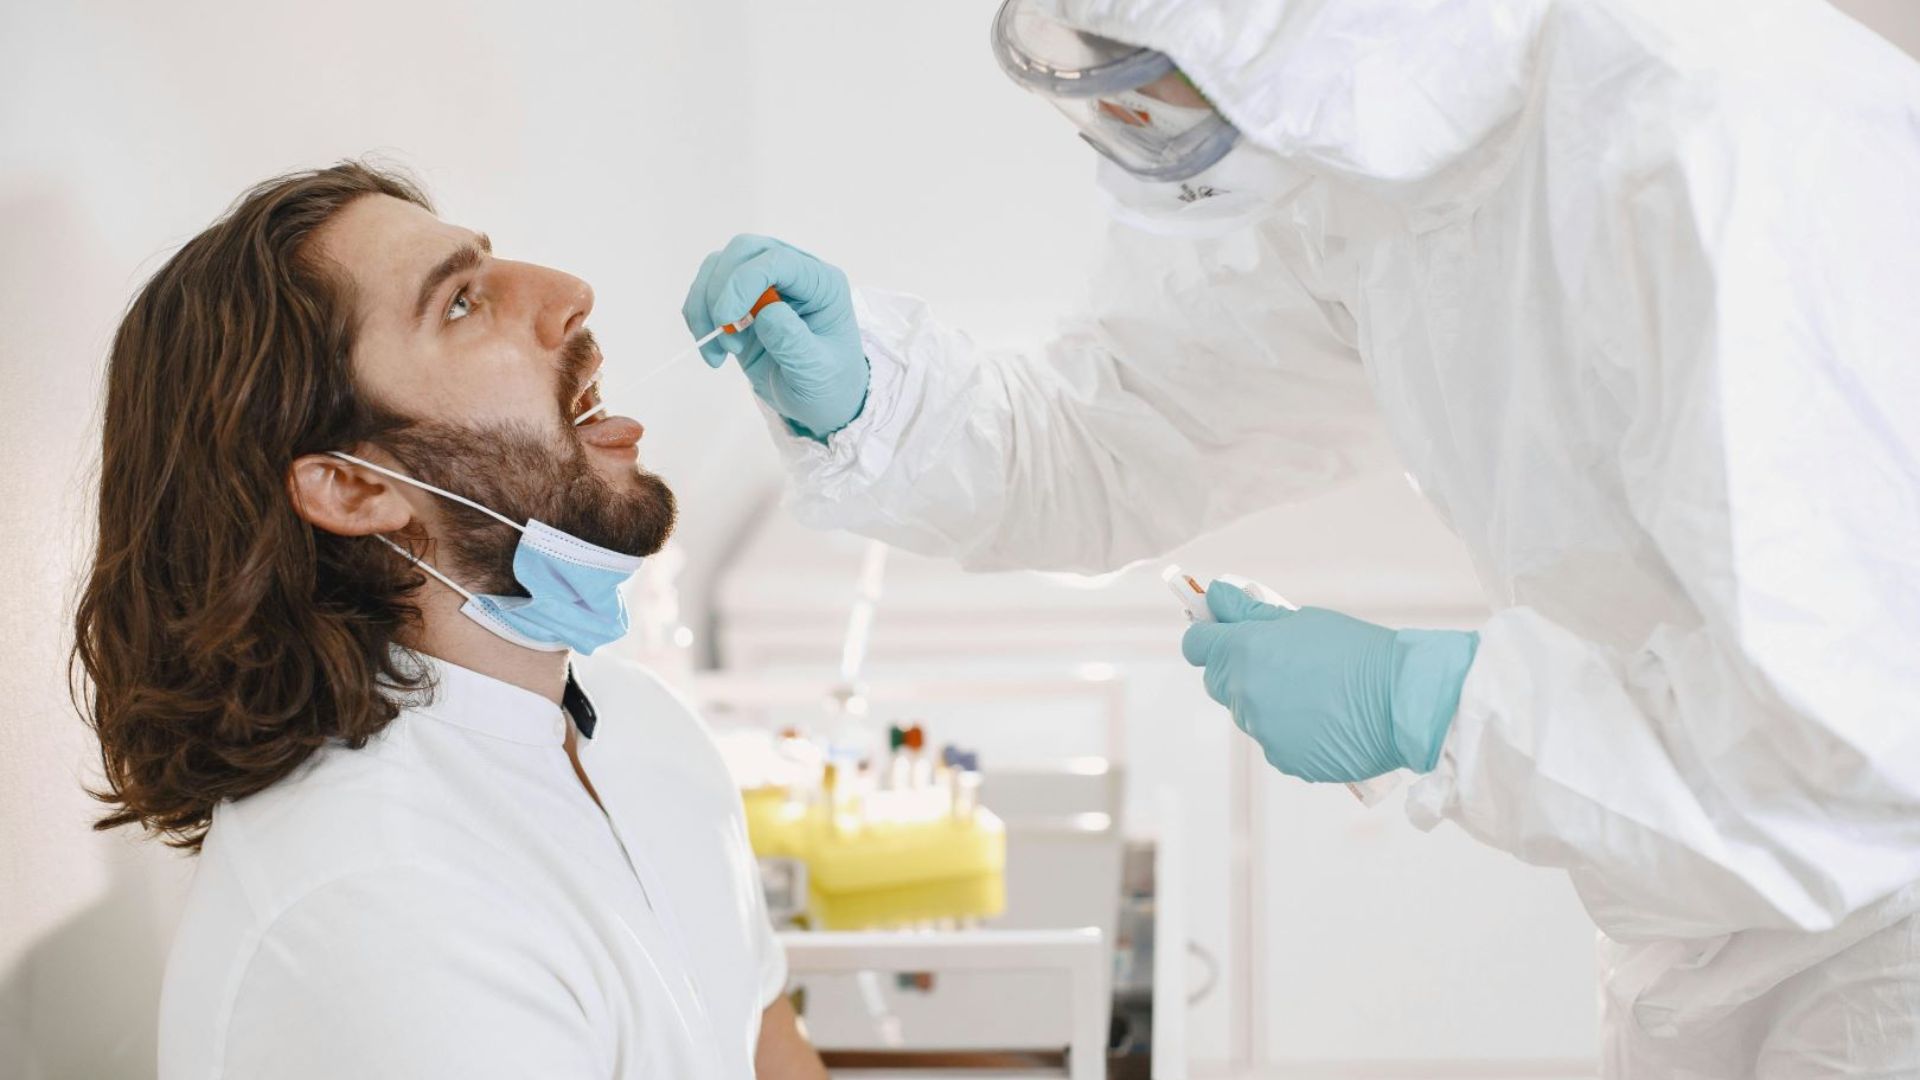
<point x="447" y="634"/>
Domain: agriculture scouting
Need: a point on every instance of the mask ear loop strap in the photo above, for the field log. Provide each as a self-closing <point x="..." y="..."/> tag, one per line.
<point x="428" y="567"/>
<point x="424" y="486"/>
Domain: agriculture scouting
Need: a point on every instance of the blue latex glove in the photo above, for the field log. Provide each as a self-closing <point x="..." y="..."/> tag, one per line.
<point x="1328" y="697"/>
<point x="802" y="356"/>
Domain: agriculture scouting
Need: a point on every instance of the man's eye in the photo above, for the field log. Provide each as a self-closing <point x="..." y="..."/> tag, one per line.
<point x="460" y="308"/>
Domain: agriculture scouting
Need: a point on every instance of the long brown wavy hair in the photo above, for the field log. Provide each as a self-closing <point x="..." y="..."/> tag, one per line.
<point x="223" y="638"/>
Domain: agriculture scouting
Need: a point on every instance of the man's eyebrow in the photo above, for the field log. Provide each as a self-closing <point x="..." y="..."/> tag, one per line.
<point x="462" y="259"/>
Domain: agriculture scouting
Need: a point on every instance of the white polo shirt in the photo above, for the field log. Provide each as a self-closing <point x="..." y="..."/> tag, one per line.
<point x="448" y="901"/>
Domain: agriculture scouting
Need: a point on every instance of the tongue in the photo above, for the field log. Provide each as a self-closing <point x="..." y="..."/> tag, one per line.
<point x="612" y="431"/>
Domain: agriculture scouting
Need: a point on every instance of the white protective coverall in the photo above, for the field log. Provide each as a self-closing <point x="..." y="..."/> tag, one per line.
<point x="1633" y="290"/>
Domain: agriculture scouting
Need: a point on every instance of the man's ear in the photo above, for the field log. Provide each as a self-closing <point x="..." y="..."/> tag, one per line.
<point x="345" y="499"/>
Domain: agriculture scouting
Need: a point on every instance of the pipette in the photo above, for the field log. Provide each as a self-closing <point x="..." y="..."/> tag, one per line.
<point x="1193" y="597"/>
<point x="771" y="296"/>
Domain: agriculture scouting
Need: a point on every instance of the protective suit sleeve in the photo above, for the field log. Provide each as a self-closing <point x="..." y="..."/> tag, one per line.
<point x="409" y="972"/>
<point x="1754" y="762"/>
<point x="1208" y="384"/>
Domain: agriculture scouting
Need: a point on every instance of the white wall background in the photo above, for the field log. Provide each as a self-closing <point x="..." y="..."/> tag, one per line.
<point x="616" y="140"/>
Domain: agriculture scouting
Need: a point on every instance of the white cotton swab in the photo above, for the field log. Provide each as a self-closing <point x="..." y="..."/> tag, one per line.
<point x="771" y="296"/>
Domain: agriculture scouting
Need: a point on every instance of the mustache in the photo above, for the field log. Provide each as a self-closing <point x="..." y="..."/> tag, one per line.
<point x="576" y="359"/>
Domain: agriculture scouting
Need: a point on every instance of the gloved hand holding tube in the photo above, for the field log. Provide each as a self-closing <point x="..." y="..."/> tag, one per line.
<point x="1330" y="698"/>
<point x="803" y="356"/>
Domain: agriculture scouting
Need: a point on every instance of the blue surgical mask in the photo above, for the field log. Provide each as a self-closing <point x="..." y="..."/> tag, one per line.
<point x="573" y="587"/>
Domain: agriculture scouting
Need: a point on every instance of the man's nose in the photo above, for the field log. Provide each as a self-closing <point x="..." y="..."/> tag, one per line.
<point x="565" y="302"/>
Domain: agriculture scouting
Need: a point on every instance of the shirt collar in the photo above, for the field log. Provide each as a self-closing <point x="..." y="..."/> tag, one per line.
<point x="481" y="703"/>
<point x="575" y="701"/>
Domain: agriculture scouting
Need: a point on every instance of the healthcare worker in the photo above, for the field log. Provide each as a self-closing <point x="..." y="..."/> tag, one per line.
<point x="1632" y="290"/>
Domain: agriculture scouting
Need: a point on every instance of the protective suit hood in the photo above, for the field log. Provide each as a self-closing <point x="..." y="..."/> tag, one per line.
<point x="1401" y="97"/>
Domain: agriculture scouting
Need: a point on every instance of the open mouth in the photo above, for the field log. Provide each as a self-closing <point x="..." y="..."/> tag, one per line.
<point x="589" y="402"/>
<point x="600" y="428"/>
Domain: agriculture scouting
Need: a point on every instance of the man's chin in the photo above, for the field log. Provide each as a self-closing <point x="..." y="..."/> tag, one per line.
<point x="624" y="478"/>
<point x="612" y="503"/>
<point x="662" y="510"/>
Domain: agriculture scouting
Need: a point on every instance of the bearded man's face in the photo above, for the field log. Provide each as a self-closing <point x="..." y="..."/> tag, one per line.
<point x="487" y="363"/>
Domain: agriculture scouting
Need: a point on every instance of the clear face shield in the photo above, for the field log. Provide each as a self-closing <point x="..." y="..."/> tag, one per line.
<point x="1131" y="103"/>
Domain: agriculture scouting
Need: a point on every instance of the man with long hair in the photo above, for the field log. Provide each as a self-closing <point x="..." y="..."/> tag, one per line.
<point x="350" y="539"/>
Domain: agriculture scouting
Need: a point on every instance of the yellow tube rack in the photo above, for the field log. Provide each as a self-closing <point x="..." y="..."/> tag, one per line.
<point x="866" y="874"/>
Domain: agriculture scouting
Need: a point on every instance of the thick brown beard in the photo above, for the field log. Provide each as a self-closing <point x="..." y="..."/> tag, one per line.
<point x="520" y="472"/>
